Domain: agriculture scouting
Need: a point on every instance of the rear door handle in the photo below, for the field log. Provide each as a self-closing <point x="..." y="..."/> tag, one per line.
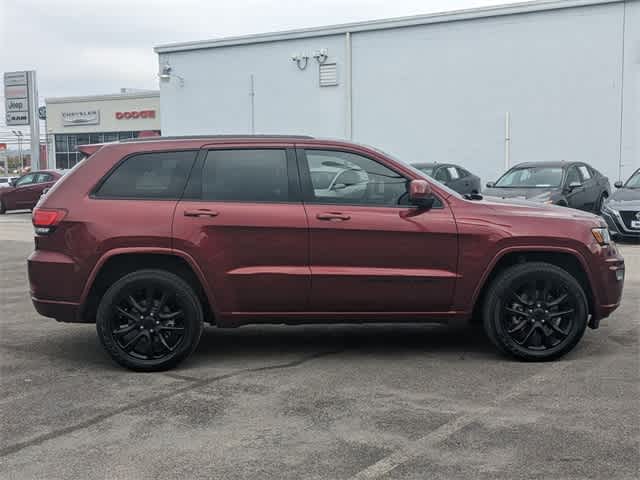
<point x="202" y="212"/>
<point x="333" y="216"/>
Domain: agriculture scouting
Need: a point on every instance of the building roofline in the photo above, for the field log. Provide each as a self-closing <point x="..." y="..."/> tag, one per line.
<point x="383" y="24"/>
<point x="102" y="98"/>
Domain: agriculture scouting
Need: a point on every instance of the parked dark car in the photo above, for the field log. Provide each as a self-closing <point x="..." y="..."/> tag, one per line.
<point x="569" y="184"/>
<point x="453" y="176"/>
<point x="150" y="239"/>
<point x="24" y="192"/>
<point x="622" y="210"/>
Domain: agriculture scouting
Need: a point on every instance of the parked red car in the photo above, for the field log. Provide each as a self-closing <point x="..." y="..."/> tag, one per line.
<point x="152" y="238"/>
<point x="24" y="192"/>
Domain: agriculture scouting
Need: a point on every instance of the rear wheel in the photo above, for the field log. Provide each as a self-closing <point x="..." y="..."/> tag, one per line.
<point x="535" y="312"/>
<point x="3" y="209"/>
<point x="149" y="320"/>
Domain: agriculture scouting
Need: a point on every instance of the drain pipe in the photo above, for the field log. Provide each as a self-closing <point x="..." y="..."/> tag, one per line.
<point x="348" y="88"/>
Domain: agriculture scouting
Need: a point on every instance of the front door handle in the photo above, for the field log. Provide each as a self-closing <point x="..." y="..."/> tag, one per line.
<point x="201" y="212"/>
<point x="333" y="216"/>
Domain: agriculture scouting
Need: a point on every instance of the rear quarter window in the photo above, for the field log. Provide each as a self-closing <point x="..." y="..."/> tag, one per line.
<point x="157" y="175"/>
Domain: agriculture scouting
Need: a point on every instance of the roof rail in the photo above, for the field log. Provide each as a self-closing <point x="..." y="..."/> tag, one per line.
<point x="212" y="137"/>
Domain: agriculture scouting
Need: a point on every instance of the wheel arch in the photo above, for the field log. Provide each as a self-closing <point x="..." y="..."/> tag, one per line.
<point x="119" y="262"/>
<point x="569" y="260"/>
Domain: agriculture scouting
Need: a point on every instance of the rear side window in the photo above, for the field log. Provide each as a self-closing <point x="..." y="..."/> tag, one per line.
<point x="158" y="175"/>
<point x="246" y="176"/>
<point x="584" y="170"/>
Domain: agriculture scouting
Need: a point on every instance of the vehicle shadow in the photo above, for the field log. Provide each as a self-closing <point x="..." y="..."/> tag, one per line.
<point x="380" y="339"/>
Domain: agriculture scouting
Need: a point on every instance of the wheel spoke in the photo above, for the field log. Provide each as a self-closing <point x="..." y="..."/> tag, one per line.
<point x="164" y="342"/>
<point x="163" y="300"/>
<point x="519" y="298"/>
<point x="532" y="293"/>
<point x="516" y="312"/>
<point x="132" y="343"/>
<point x="125" y="330"/>
<point x="558" y="301"/>
<point x="124" y="313"/>
<point x="546" y="289"/>
<point x="170" y="316"/>
<point x="518" y="327"/>
<point x="561" y="313"/>
<point x="149" y="298"/>
<point x="132" y="301"/>
<point x="171" y="329"/>
<point x="528" y="335"/>
<point x="557" y="329"/>
<point x="149" y="338"/>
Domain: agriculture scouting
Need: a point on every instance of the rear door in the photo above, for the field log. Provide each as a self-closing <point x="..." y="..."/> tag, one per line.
<point x="577" y="197"/>
<point x="370" y="251"/>
<point x="591" y="187"/>
<point x="242" y="220"/>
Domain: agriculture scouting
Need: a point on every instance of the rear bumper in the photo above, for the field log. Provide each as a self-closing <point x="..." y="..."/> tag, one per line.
<point x="61" y="311"/>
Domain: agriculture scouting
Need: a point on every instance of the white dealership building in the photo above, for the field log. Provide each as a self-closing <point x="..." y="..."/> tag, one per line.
<point x="543" y="80"/>
<point x="73" y="121"/>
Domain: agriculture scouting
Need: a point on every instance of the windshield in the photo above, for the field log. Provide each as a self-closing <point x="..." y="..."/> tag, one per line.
<point x="427" y="170"/>
<point x="634" y="181"/>
<point x="532" y="177"/>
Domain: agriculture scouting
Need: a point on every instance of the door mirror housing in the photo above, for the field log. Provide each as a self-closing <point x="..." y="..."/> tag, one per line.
<point x="573" y="185"/>
<point x="618" y="184"/>
<point x="420" y="194"/>
<point x="491" y="184"/>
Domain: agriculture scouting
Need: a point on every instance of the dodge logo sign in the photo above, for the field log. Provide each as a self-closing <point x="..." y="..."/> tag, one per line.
<point x="136" y="114"/>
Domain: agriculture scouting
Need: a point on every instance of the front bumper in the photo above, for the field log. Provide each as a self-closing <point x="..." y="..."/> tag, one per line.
<point x="608" y="274"/>
<point x="617" y="226"/>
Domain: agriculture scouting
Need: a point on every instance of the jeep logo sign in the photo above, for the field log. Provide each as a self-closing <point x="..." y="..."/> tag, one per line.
<point x="136" y="114"/>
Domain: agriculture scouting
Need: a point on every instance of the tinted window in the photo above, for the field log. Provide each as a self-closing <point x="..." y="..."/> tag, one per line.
<point x="453" y="173"/>
<point x="442" y="175"/>
<point x="26" y="180"/>
<point x="463" y="173"/>
<point x="246" y="176"/>
<point x="573" y="176"/>
<point x="149" y="175"/>
<point x="355" y="179"/>
<point x="43" y="177"/>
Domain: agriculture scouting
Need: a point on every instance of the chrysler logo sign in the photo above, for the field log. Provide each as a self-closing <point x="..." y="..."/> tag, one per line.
<point x="87" y="117"/>
<point x="136" y="114"/>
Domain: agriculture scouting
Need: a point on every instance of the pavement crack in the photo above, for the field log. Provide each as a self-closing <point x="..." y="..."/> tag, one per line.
<point x="196" y="383"/>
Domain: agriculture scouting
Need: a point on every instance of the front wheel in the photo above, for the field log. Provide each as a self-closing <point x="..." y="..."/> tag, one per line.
<point x="149" y="320"/>
<point x="3" y="209"/>
<point x="535" y="312"/>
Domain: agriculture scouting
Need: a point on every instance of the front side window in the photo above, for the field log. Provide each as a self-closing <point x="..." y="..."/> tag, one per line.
<point x="158" y="175"/>
<point x="573" y="176"/>
<point x="442" y="175"/>
<point x="251" y="175"/>
<point x="537" y="177"/>
<point x="26" y="180"/>
<point x="355" y="179"/>
<point x="584" y="170"/>
<point x="43" y="177"/>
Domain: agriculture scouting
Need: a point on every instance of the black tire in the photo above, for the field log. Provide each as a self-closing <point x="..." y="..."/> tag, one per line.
<point x="169" y="319"/>
<point x="519" y="326"/>
<point x="3" y="209"/>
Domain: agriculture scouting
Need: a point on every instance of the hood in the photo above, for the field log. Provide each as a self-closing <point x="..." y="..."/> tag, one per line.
<point x="532" y="194"/>
<point x="537" y="210"/>
<point x="625" y="199"/>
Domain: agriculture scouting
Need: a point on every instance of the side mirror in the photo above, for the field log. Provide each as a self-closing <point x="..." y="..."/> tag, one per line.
<point x="573" y="185"/>
<point x="12" y="183"/>
<point x="491" y="184"/>
<point x="618" y="184"/>
<point x="420" y="194"/>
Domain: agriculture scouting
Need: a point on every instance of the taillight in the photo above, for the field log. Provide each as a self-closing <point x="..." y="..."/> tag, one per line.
<point x="45" y="220"/>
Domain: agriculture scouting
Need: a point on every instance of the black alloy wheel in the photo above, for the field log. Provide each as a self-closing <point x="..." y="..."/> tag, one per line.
<point x="149" y="320"/>
<point x="535" y="311"/>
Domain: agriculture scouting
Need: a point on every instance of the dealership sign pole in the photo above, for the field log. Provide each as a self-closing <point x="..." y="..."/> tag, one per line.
<point x="21" y="107"/>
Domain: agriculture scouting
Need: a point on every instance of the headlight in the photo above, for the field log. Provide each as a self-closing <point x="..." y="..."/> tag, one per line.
<point x="601" y="235"/>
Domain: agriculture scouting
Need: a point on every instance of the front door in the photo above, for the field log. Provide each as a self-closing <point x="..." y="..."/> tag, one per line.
<point x="20" y="196"/>
<point x="577" y="197"/>
<point x="242" y="221"/>
<point x="370" y="251"/>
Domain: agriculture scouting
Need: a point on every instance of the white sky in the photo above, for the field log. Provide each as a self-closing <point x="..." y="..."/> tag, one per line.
<point x="84" y="47"/>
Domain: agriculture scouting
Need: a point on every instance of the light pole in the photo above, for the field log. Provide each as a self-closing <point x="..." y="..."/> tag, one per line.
<point x="19" y="134"/>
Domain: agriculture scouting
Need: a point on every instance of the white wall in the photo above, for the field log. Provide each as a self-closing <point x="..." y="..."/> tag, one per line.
<point x="440" y="92"/>
<point x="437" y="92"/>
<point x="215" y="96"/>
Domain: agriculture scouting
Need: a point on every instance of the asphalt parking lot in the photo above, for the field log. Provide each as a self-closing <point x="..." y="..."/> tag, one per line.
<point x="321" y="402"/>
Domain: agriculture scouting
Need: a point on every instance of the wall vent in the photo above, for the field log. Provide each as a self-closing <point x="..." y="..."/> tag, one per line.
<point x="328" y="74"/>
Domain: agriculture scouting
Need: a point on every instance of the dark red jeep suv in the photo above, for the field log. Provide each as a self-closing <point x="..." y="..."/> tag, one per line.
<point x="152" y="238"/>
